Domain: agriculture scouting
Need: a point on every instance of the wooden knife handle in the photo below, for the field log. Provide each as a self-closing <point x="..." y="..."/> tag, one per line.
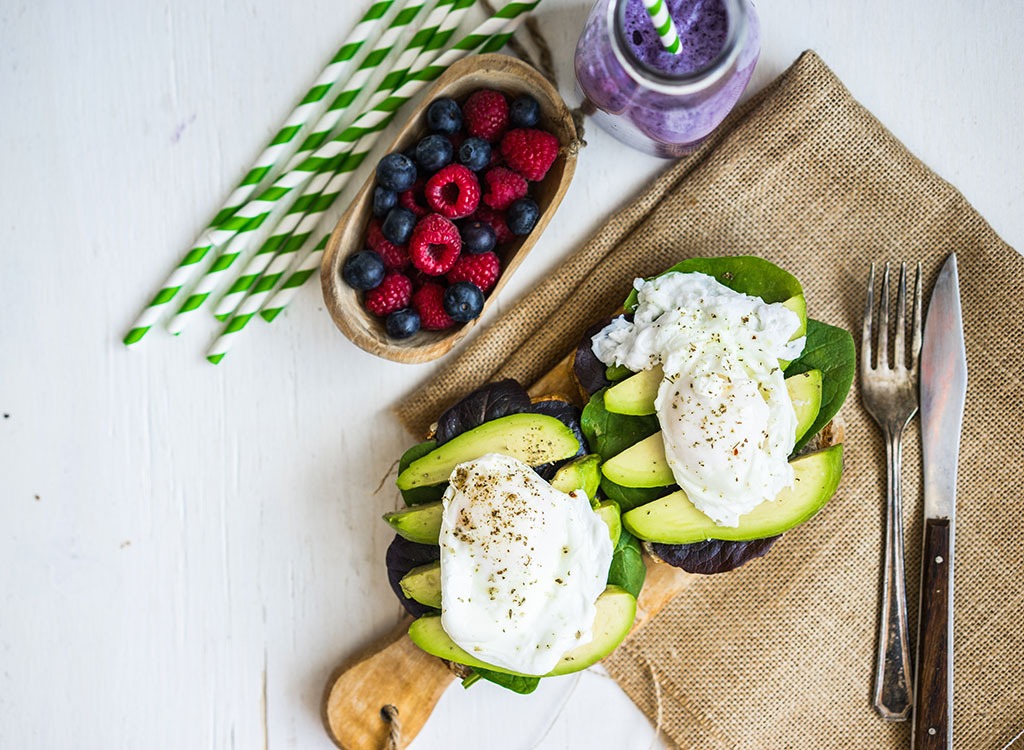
<point x="933" y="720"/>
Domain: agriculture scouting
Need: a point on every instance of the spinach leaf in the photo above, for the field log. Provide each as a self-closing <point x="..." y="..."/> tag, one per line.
<point x="743" y="273"/>
<point x="632" y="497"/>
<point x="608" y="433"/>
<point x="516" y="683"/>
<point x="627" y="569"/>
<point x="830" y="350"/>
<point x="420" y="495"/>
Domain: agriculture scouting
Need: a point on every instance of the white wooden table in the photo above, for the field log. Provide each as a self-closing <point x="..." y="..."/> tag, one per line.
<point x="188" y="550"/>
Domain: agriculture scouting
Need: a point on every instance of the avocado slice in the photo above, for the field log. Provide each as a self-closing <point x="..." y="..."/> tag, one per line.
<point x="534" y="439"/>
<point x="643" y="464"/>
<point x="609" y="513"/>
<point x="581" y="473"/>
<point x="674" y="520"/>
<point x="636" y="394"/>
<point x="422" y="523"/>
<point x="423" y="584"/>
<point x="805" y="393"/>
<point x="616" y="609"/>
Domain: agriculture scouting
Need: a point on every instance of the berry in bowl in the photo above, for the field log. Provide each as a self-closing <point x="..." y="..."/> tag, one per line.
<point x="451" y="210"/>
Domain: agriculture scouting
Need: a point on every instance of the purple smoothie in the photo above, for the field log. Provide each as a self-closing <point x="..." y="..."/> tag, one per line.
<point x="703" y="27"/>
<point x="657" y="101"/>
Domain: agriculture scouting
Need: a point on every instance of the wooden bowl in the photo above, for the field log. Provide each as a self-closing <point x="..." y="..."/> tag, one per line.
<point x="503" y="73"/>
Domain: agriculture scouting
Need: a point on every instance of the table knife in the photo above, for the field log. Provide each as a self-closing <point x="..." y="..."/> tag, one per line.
<point x="943" y="392"/>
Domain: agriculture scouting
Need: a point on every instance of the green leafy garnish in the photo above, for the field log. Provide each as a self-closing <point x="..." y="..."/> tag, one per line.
<point x="831" y="350"/>
<point x="632" y="497"/>
<point x="517" y="683"/>
<point x="609" y="434"/>
<point x="627" y="569"/>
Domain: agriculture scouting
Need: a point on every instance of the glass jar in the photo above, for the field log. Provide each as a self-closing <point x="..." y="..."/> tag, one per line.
<point x="663" y="103"/>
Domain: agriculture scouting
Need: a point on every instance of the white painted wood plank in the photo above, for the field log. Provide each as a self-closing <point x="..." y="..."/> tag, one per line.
<point x="206" y="536"/>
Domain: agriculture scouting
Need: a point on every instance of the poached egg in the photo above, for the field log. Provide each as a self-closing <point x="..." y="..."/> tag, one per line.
<point x="726" y="418"/>
<point x="522" y="565"/>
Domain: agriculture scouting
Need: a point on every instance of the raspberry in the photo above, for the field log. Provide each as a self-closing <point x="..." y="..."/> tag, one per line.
<point x="496" y="219"/>
<point x="395" y="257"/>
<point x="435" y="245"/>
<point x="529" y="152"/>
<point x="486" y="114"/>
<point x="453" y="192"/>
<point x="413" y="198"/>
<point x="428" y="302"/>
<point x="394" y="293"/>
<point x="503" y="187"/>
<point x="483" y="270"/>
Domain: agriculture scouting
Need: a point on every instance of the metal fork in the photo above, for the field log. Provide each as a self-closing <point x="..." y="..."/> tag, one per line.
<point x="889" y="393"/>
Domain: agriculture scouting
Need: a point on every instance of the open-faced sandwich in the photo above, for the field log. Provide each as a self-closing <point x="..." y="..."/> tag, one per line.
<point x="706" y="435"/>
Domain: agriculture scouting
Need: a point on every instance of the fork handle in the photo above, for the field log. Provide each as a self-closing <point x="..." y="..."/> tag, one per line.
<point x="892" y="696"/>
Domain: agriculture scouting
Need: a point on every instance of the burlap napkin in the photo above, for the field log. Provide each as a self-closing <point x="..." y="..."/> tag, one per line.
<point x="780" y="654"/>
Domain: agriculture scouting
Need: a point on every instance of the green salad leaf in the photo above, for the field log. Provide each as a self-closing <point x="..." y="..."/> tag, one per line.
<point x="632" y="497"/>
<point x="517" y="683"/>
<point x="608" y="433"/>
<point x="742" y="273"/>
<point x="420" y="495"/>
<point x="627" y="569"/>
<point x="831" y="350"/>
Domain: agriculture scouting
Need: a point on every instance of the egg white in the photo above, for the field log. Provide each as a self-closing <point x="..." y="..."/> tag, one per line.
<point x="522" y="565"/>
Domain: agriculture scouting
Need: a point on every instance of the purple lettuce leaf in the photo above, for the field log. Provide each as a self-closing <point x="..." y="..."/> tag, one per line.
<point x="403" y="556"/>
<point x="711" y="556"/>
<point x="488" y="402"/>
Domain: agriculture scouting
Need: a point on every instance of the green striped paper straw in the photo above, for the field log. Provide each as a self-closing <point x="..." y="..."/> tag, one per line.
<point x="239" y="241"/>
<point x="436" y="31"/>
<point x="309" y="109"/>
<point x="664" y="25"/>
<point x="489" y="37"/>
<point x="251" y="216"/>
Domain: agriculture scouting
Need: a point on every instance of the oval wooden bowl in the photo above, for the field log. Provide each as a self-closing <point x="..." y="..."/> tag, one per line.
<point x="503" y="73"/>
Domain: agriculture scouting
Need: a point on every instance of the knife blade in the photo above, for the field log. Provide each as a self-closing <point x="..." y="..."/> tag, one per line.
<point x="943" y="394"/>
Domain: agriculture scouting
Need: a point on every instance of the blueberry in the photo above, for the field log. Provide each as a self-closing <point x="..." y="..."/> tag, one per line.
<point x="396" y="172"/>
<point x="383" y="201"/>
<point x="524" y="112"/>
<point x="463" y="301"/>
<point x="522" y="216"/>
<point x="475" y="153"/>
<point x="363" y="270"/>
<point x="477" y="237"/>
<point x="444" y="116"/>
<point x="397" y="225"/>
<point x="434" y="152"/>
<point x="401" y="324"/>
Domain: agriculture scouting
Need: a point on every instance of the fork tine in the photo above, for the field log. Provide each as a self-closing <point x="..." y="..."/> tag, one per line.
<point x="900" y="344"/>
<point x="883" y="321"/>
<point x="915" y="345"/>
<point x="865" y="339"/>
